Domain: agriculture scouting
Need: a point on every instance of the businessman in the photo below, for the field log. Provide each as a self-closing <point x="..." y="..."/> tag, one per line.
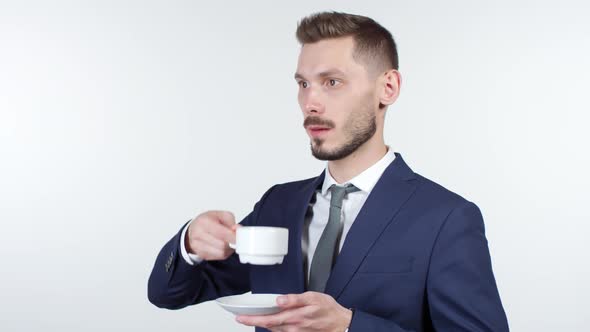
<point x="373" y="246"/>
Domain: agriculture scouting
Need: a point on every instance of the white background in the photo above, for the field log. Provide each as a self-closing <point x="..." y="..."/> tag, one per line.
<point x="121" y="120"/>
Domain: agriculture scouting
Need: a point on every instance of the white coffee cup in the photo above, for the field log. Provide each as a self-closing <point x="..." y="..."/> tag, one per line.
<point x="261" y="245"/>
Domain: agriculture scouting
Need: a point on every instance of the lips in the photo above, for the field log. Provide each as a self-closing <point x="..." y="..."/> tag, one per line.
<point x="317" y="131"/>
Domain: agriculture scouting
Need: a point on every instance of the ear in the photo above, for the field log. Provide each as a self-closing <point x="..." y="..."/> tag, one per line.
<point x="389" y="87"/>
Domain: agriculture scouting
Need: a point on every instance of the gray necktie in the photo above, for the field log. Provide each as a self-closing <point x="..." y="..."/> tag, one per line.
<point x="326" y="250"/>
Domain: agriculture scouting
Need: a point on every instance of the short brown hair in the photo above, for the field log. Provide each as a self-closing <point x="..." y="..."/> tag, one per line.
<point x="373" y="44"/>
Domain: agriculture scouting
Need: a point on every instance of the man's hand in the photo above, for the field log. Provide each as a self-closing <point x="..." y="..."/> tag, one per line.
<point x="209" y="234"/>
<point x="310" y="311"/>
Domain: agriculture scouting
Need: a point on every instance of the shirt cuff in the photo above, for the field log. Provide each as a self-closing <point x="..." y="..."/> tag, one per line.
<point x="191" y="259"/>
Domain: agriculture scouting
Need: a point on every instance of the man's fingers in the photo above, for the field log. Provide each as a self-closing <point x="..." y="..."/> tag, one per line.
<point x="222" y="232"/>
<point x="285" y="317"/>
<point x="210" y="239"/>
<point x="296" y="300"/>
<point x="209" y="234"/>
<point x="208" y="252"/>
<point x="224" y="217"/>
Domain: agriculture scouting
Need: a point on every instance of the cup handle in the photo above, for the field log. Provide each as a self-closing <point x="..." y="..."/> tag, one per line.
<point x="232" y="245"/>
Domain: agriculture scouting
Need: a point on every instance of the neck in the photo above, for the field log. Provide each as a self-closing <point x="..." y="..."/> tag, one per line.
<point x="364" y="157"/>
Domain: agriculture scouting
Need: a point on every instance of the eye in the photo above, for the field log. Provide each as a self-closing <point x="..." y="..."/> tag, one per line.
<point x="303" y="84"/>
<point x="333" y="82"/>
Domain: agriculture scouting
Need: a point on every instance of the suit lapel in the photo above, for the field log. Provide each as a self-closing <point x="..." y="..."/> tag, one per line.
<point x="392" y="190"/>
<point x="299" y="209"/>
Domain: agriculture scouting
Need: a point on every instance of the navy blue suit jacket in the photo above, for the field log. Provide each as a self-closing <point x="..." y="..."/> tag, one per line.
<point x="415" y="259"/>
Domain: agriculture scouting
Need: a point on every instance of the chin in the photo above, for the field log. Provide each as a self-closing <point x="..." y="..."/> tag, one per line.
<point x="325" y="153"/>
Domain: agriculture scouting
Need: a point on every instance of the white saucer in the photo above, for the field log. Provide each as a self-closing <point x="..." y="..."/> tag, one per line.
<point x="250" y="304"/>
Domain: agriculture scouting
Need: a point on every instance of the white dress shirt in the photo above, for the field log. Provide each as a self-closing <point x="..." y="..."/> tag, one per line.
<point x="314" y="225"/>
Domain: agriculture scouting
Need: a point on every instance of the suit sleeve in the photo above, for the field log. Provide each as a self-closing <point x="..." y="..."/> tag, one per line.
<point x="364" y="321"/>
<point x="461" y="290"/>
<point x="175" y="284"/>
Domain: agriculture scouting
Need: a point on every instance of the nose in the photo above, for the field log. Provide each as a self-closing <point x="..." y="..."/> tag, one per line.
<point x="311" y="102"/>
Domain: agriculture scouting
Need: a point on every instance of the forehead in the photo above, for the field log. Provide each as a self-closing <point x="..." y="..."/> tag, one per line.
<point x="328" y="54"/>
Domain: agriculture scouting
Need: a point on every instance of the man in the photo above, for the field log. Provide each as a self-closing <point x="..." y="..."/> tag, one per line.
<point x="409" y="254"/>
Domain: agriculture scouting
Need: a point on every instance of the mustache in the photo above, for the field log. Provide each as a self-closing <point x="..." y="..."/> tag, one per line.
<point x="317" y="121"/>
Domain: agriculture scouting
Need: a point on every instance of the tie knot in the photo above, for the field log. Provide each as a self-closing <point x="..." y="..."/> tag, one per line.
<point x="338" y="193"/>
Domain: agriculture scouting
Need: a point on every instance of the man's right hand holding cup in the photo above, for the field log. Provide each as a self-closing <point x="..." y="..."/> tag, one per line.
<point x="209" y="235"/>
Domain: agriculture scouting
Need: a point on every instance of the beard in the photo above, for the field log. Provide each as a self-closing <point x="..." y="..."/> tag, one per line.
<point x="358" y="129"/>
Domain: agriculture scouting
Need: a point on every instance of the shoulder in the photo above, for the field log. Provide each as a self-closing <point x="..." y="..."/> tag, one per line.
<point x="299" y="184"/>
<point x="431" y="195"/>
<point x="292" y="187"/>
<point x="285" y="192"/>
<point x="433" y="208"/>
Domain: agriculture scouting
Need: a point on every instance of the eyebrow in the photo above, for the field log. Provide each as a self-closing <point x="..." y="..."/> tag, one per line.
<point x="324" y="74"/>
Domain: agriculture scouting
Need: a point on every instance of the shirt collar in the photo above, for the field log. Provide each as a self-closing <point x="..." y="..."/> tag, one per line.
<point x="366" y="180"/>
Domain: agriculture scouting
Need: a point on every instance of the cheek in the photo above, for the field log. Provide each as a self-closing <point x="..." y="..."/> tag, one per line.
<point x="300" y="100"/>
<point x="342" y="111"/>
